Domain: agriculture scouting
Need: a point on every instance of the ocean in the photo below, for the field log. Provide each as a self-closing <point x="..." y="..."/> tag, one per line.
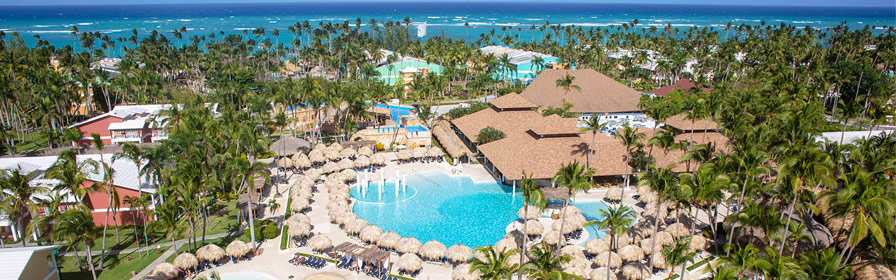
<point x="54" y="23"/>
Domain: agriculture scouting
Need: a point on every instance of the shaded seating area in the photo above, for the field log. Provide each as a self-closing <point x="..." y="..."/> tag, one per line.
<point x="372" y="261"/>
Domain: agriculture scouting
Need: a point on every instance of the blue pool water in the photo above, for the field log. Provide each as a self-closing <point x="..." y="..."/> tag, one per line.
<point x="591" y="211"/>
<point x="445" y="208"/>
<point x="396" y="111"/>
<point x="416" y="128"/>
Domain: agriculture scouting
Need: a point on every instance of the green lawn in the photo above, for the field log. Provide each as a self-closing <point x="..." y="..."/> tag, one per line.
<point x="221" y="242"/>
<point x="117" y="266"/>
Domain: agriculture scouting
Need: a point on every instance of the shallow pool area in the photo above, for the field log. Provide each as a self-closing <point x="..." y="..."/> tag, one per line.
<point x="591" y="210"/>
<point x="436" y="206"/>
<point x="247" y="275"/>
<point x="397" y="111"/>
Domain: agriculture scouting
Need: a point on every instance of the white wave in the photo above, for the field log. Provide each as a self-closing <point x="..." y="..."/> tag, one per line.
<point x="49" y="31"/>
<point x="507" y="24"/>
<point x="151" y="21"/>
<point x="112" y="31"/>
<point x="43" y="26"/>
<point x="190" y="29"/>
<point x="533" y="19"/>
<point x="4" y="29"/>
<point x="472" y="23"/>
<point x="272" y="21"/>
<point x="433" y="17"/>
<point x="590" y="24"/>
<point x="185" y="20"/>
<point x="860" y="22"/>
<point x="85" y="23"/>
<point x="805" y="21"/>
<point x="243" y="28"/>
<point x="124" y="18"/>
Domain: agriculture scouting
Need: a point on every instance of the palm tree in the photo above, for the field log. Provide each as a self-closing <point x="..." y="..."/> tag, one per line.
<point x="781" y="267"/>
<point x="630" y="138"/>
<point x="617" y="219"/>
<point x="76" y="226"/>
<point x="574" y="178"/>
<point x="489" y="134"/>
<point x="678" y="254"/>
<point x="19" y="200"/>
<point x="494" y="265"/>
<point x="531" y="195"/>
<point x="721" y="272"/>
<point x="824" y="265"/>
<point x="71" y="175"/>
<point x="662" y="181"/>
<point x="594" y="125"/>
<point x="868" y="201"/>
<point x="566" y="83"/>
<point x="743" y="258"/>
<point x="543" y="262"/>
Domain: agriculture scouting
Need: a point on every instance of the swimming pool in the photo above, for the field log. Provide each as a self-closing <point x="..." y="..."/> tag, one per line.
<point x="449" y="209"/>
<point x="396" y="111"/>
<point x="591" y="211"/>
<point x="416" y="128"/>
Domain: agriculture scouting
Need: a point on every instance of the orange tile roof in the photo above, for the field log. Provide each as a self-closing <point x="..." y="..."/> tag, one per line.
<point x="600" y="94"/>
<point x="681" y="123"/>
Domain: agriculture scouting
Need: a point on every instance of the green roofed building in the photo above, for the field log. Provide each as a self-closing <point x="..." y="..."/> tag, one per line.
<point x="406" y="68"/>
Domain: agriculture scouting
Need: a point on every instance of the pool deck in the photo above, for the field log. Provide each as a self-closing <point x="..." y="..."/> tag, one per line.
<point x="273" y="261"/>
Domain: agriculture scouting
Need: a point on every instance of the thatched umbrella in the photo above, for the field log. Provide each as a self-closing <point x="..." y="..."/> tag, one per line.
<point x="313" y="174"/>
<point x="296" y="219"/>
<point x="678" y="230"/>
<point x="614" y="194"/>
<point x="210" y="252"/>
<point x="320" y="242"/>
<point x="347" y="153"/>
<point x="300" y="230"/>
<point x="349" y="174"/>
<point x="534" y="227"/>
<point x="330" y="167"/>
<point x="408" y="245"/>
<point x="332" y="155"/>
<point x="434" y="152"/>
<point x="299" y="204"/>
<point x="647" y="197"/>
<point x="659" y="261"/>
<point x="573" y="223"/>
<point x="433" y="250"/>
<point x="404" y="154"/>
<point x="284" y="163"/>
<point x="601" y="273"/>
<point x="647" y="242"/>
<point x="572" y="251"/>
<point x="343" y="218"/>
<point x="574" y="270"/>
<point x="336" y="146"/>
<point x="409" y="263"/>
<point x="371" y="234"/>
<point x="357" y="226"/>
<point x="631" y="253"/>
<point x="698" y="243"/>
<point x="505" y="245"/>
<point x="642" y="229"/>
<point x="419" y="152"/>
<point x="554" y="238"/>
<point x="378" y="159"/>
<point x="533" y="212"/>
<point x="237" y="249"/>
<point x="362" y="161"/>
<point x="365" y="151"/>
<point x="288" y="145"/>
<point x="613" y="258"/>
<point x="165" y="271"/>
<point x="302" y="194"/>
<point x="388" y="240"/>
<point x="300" y="160"/>
<point x="664" y="238"/>
<point x="621" y="240"/>
<point x="459" y="253"/>
<point x="514" y="259"/>
<point x="636" y="271"/>
<point x="572" y="210"/>
<point x="346" y="164"/>
<point x="317" y="156"/>
<point x="319" y="147"/>
<point x="596" y="246"/>
<point x="186" y="260"/>
<point x="462" y="272"/>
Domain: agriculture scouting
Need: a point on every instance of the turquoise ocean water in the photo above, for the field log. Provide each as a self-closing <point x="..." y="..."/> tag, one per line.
<point x="53" y="23"/>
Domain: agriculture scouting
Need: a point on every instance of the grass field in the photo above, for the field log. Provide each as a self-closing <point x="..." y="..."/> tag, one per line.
<point x="117" y="266"/>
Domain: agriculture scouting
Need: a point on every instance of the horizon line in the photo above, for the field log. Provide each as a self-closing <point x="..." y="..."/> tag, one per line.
<point x="444" y="1"/>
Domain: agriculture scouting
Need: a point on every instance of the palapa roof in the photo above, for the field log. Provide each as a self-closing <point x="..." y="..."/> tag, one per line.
<point x="289" y="145"/>
<point x="449" y="140"/>
<point x="374" y="254"/>
<point x="684" y="84"/>
<point x="512" y="101"/>
<point x="680" y="122"/>
<point x="600" y="94"/>
<point x="555" y="193"/>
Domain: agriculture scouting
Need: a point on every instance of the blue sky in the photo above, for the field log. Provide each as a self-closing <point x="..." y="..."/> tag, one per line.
<point x="841" y="3"/>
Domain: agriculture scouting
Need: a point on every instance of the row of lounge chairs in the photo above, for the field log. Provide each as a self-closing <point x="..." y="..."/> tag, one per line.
<point x="345" y="263"/>
<point x="312" y="262"/>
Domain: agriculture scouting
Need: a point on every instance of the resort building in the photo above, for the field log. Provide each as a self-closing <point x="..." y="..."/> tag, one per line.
<point x="534" y="143"/>
<point x="683" y="84"/>
<point x="523" y="69"/>
<point x="126" y="181"/>
<point x="125" y="123"/>
<point x="405" y="69"/>
<point x="27" y="263"/>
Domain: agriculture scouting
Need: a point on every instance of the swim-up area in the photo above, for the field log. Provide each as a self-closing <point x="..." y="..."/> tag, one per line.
<point x="435" y="206"/>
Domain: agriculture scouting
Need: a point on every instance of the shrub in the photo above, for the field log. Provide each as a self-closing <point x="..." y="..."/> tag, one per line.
<point x="380" y="147"/>
<point x="463" y="111"/>
<point x="490" y="134"/>
<point x="265" y="229"/>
